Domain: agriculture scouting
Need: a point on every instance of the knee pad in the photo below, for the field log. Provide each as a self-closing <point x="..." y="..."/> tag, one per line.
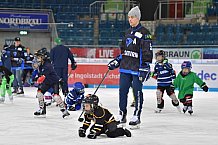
<point x="59" y="101"/>
<point x="175" y="101"/>
<point x="188" y="100"/>
<point x="40" y="97"/>
<point x="159" y="96"/>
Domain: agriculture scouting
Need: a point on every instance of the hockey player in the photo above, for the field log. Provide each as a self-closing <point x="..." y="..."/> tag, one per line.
<point x="6" y="81"/>
<point x="104" y="122"/>
<point x="74" y="98"/>
<point x="47" y="79"/>
<point x="134" y="62"/>
<point x="164" y="74"/>
<point x="6" y="57"/>
<point x="185" y="83"/>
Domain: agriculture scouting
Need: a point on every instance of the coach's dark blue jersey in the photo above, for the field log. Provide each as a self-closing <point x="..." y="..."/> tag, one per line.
<point x="136" y="49"/>
<point x="164" y="73"/>
<point x="48" y="71"/>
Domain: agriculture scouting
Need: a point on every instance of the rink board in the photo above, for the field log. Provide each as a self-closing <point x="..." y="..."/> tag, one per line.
<point x="92" y="74"/>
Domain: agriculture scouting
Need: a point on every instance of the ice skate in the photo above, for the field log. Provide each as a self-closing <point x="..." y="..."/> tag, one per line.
<point x="158" y="110"/>
<point x="185" y="108"/>
<point x="190" y="111"/>
<point x="121" y="118"/>
<point x="41" y="112"/>
<point x="20" y="92"/>
<point x="14" y="92"/>
<point x="65" y="113"/>
<point x="134" y="122"/>
<point x="2" y="100"/>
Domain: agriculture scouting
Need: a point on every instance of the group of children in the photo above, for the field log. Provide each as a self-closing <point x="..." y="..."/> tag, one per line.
<point x="167" y="80"/>
<point x="104" y="121"/>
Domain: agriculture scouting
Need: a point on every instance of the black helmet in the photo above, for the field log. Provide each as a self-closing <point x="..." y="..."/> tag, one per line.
<point x="91" y="99"/>
<point x="43" y="53"/>
<point x="160" y="52"/>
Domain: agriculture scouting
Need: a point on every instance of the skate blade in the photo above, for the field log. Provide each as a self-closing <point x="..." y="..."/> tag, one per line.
<point x="134" y="127"/>
<point x="39" y="116"/>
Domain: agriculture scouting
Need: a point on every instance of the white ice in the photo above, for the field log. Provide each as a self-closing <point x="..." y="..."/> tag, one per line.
<point x="19" y="127"/>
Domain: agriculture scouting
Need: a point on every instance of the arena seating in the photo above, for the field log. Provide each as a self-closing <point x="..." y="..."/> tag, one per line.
<point x="187" y="34"/>
<point x="77" y="12"/>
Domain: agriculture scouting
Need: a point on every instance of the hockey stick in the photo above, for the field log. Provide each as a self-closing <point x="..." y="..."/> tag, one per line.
<point x="80" y="119"/>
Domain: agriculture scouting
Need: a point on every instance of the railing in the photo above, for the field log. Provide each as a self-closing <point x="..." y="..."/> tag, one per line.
<point x="100" y="7"/>
<point x="173" y="10"/>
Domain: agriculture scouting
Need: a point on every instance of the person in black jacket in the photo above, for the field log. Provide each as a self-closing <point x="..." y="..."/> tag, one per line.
<point x="136" y="55"/>
<point x="59" y="57"/>
<point x="104" y="122"/>
<point x="47" y="78"/>
<point x="18" y="54"/>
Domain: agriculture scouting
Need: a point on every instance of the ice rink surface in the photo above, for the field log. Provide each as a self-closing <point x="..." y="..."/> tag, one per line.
<point x="19" y="127"/>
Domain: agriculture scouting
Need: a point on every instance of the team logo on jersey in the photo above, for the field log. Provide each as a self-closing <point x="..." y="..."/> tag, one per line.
<point x="15" y="53"/>
<point x="128" y="41"/>
<point x="131" y="53"/>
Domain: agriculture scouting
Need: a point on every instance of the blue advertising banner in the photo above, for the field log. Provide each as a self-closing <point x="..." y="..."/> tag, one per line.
<point x="32" y="21"/>
<point x="210" y="53"/>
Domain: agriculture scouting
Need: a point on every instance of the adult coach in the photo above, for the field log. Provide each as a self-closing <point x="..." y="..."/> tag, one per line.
<point x="136" y="54"/>
<point x="59" y="56"/>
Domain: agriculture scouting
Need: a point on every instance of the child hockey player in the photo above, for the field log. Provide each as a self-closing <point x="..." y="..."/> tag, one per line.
<point x="104" y="122"/>
<point x="74" y="98"/>
<point x="7" y="78"/>
<point x="164" y="74"/>
<point x="47" y="78"/>
<point x="185" y="83"/>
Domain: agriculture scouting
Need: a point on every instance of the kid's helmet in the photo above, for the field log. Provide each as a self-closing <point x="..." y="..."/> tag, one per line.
<point x="42" y="53"/>
<point x="91" y="99"/>
<point x="186" y="64"/>
<point x="79" y="88"/>
<point x="160" y="53"/>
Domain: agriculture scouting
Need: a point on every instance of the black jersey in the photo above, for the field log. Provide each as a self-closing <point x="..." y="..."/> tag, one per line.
<point x="136" y="49"/>
<point x="101" y="117"/>
<point x="18" y="53"/>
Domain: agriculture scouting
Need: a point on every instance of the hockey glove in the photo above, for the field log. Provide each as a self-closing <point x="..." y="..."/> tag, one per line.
<point x="92" y="135"/>
<point x="144" y="72"/>
<point x="40" y="79"/>
<point x="115" y="63"/>
<point x="204" y="87"/>
<point x="73" y="66"/>
<point x="153" y="75"/>
<point x="82" y="132"/>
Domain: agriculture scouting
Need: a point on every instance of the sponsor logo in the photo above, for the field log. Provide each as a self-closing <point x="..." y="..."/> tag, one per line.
<point x="207" y="76"/>
<point x="131" y="53"/>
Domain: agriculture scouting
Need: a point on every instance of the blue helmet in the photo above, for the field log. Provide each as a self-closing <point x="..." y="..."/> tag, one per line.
<point x="79" y="88"/>
<point x="186" y="64"/>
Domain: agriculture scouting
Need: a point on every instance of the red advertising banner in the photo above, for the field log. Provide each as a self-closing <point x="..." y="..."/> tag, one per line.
<point x="95" y="52"/>
<point x="93" y="74"/>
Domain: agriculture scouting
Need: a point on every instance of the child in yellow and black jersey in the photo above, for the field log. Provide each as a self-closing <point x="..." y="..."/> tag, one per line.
<point x="104" y="122"/>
